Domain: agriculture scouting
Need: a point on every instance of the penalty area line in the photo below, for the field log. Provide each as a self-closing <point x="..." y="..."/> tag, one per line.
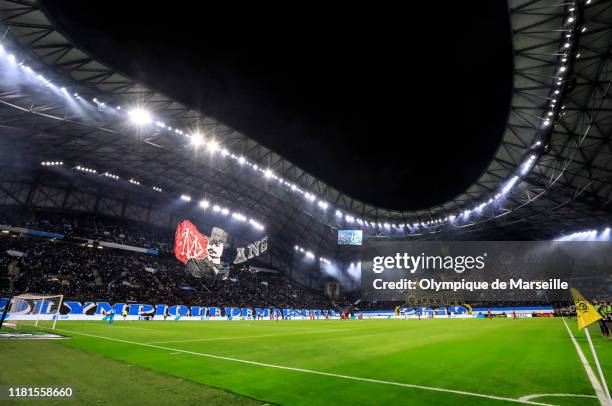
<point x="312" y="372"/>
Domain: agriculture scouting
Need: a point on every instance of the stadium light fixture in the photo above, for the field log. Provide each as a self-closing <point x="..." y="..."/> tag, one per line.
<point x="139" y="116"/>
<point x="527" y="165"/>
<point x="225" y="211"/>
<point x="256" y="224"/>
<point x="509" y="185"/>
<point x="268" y="173"/>
<point x="239" y="216"/>
<point x="110" y="175"/>
<point x="186" y="198"/>
<point x="213" y="146"/>
<point x="52" y="163"/>
<point x="85" y="169"/>
<point x="204" y="204"/>
<point x="324" y="205"/>
<point x="196" y="139"/>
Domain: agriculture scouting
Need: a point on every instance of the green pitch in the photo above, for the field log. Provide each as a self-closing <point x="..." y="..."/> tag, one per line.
<point x="363" y="362"/>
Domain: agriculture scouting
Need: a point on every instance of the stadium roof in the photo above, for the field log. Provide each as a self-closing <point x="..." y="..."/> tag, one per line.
<point x="551" y="172"/>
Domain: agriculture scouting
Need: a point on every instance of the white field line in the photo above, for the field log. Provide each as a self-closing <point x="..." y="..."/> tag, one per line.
<point x="241" y="337"/>
<point x="308" y="371"/>
<point x="589" y="371"/>
<point x="542" y="395"/>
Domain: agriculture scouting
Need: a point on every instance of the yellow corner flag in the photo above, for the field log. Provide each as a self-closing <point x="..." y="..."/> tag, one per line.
<point x="585" y="312"/>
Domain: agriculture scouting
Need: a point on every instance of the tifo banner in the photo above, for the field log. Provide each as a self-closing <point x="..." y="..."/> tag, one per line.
<point x="202" y="254"/>
<point x="475" y="271"/>
<point x="189" y="242"/>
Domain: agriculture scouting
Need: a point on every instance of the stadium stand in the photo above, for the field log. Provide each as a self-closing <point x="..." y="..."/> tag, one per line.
<point x="80" y="271"/>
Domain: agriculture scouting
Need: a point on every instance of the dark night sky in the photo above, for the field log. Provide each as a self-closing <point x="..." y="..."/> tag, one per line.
<point x="402" y="108"/>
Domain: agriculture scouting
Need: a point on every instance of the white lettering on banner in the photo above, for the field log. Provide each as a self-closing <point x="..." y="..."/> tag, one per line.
<point x="251" y="251"/>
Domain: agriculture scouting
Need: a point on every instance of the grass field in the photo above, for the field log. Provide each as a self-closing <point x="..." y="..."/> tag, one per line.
<point x="358" y="362"/>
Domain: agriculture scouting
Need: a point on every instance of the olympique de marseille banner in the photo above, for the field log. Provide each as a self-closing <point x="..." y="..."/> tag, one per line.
<point x="140" y="310"/>
<point x="202" y="255"/>
<point x="89" y="310"/>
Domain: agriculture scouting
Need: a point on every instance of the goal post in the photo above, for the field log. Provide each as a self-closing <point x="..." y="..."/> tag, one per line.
<point x="30" y="309"/>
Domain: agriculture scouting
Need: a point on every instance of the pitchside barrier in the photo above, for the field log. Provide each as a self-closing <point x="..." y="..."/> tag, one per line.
<point x="90" y="310"/>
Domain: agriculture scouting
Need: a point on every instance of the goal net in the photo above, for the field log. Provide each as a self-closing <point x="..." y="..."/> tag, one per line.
<point x="33" y="310"/>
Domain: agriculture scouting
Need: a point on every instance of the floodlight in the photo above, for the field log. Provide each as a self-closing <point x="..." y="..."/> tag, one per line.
<point x="196" y="139"/>
<point x="213" y="146"/>
<point x="239" y="217"/>
<point x="139" y="116"/>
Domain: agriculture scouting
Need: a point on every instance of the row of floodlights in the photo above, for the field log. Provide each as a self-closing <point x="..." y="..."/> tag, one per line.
<point x="205" y="204"/>
<point x="310" y="255"/>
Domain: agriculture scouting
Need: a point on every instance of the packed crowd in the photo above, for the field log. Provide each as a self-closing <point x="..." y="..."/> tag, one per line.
<point x="83" y="272"/>
<point x="81" y="225"/>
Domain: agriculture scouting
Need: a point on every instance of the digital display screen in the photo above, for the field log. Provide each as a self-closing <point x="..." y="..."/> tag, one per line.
<point x="350" y="237"/>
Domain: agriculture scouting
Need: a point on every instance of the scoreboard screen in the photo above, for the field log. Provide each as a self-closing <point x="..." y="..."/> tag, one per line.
<point x="350" y="237"/>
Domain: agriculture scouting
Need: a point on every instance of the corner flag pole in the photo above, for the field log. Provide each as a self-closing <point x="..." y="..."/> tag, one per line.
<point x="585" y="315"/>
<point x="601" y="375"/>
